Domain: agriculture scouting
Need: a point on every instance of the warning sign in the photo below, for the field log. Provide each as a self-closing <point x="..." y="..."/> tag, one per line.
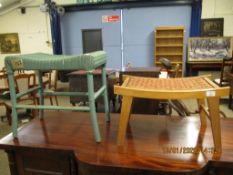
<point x="113" y="18"/>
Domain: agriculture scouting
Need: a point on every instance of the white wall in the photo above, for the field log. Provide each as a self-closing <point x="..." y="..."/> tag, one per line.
<point x="33" y="29"/>
<point x="34" y="26"/>
<point x="219" y="9"/>
<point x="65" y="2"/>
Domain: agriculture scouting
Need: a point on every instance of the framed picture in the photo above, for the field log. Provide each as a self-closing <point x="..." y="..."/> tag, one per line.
<point x="212" y="49"/>
<point x="212" y="27"/>
<point x="9" y="43"/>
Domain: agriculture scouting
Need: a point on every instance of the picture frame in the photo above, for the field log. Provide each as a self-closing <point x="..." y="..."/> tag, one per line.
<point x="9" y="43"/>
<point x="209" y="49"/>
<point x="212" y="27"/>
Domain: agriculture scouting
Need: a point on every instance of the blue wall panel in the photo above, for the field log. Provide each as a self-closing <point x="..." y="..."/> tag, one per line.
<point x="138" y="24"/>
<point x="73" y="23"/>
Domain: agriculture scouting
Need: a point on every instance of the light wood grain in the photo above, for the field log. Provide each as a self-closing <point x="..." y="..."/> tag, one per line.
<point x="199" y="88"/>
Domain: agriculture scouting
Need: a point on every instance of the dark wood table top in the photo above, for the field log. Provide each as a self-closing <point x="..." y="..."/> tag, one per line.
<point x="206" y="62"/>
<point x="141" y="69"/>
<point x="95" y="72"/>
<point x="153" y="143"/>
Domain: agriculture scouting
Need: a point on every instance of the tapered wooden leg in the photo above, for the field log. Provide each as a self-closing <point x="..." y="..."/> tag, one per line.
<point x="213" y="104"/>
<point x="8" y="115"/>
<point x="106" y="102"/>
<point x="40" y="92"/>
<point x="56" y="100"/>
<point x="124" y="118"/>
<point x="14" y="115"/>
<point x="51" y="100"/>
<point x="230" y="101"/>
<point x="91" y="98"/>
<point x="201" y="112"/>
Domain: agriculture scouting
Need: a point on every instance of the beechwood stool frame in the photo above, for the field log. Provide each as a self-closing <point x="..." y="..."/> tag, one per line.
<point x="155" y="88"/>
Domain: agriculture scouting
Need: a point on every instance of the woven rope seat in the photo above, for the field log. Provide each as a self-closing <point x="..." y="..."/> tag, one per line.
<point x="172" y="88"/>
<point x="168" y="84"/>
<point x="200" y="88"/>
<point x="44" y="62"/>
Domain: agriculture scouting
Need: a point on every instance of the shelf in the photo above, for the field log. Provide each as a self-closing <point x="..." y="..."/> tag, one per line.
<point x="169" y="28"/>
<point x="178" y="70"/>
<point x="172" y="62"/>
<point x="169" y="45"/>
<point x="168" y="54"/>
<point x="169" y="37"/>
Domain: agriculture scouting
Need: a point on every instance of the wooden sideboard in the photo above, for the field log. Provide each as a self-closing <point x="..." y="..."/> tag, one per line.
<point x="140" y="71"/>
<point x="155" y="145"/>
<point x="203" y="66"/>
<point x="78" y="83"/>
<point x="142" y="106"/>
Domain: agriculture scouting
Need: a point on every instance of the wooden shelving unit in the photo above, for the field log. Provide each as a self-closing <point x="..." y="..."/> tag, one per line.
<point x="169" y="43"/>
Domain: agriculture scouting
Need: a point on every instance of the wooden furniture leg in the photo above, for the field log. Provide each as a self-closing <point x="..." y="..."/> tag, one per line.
<point x="106" y="102"/>
<point x="56" y="100"/>
<point x="202" y="113"/>
<point x="51" y="100"/>
<point x="14" y="115"/>
<point x="8" y="115"/>
<point x="124" y="118"/>
<point x="213" y="104"/>
<point x="230" y="101"/>
<point x="91" y="97"/>
<point x="40" y="92"/>
<point x="230" y="78"/>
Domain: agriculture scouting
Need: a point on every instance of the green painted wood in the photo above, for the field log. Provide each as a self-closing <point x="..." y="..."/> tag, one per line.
<point x="40" y="92"/>
<point x="90" y="86"/>
<point x="41" y="62"/>
<point x="13" y="102"/>
<point x="65" y="93"/>
<point x="106" y="104"/>
<point x="80" y="108"/>
<point x="27" y="92"/>
<point x="99" y="92"/>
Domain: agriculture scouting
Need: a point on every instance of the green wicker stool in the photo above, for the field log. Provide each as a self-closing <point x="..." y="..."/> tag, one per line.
<point x="44" y="62"/>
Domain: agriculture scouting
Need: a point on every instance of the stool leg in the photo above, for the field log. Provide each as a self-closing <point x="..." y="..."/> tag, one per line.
<point x="95" y="126"/>
<point x="202" y="113"/>
<point x="213" y="104"/>
<point x="56" y="100"/>
<point x="230" y="101"/>
<point x="124" y="118"/>
<point x="106" y="102"/>
<point x="40" y="92"/>
<point x="13" y="103"/>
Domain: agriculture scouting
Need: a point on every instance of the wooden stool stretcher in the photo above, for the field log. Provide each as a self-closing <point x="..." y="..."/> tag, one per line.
<point x="199" y="88"/>
<point x="45" y="62"/>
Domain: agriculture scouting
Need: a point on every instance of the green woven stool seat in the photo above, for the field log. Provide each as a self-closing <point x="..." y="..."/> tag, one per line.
<point x="42" y="61"/>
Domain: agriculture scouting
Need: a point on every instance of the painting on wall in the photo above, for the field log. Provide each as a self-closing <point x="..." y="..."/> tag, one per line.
<point x="9" y="43"/>
<point x="209" y="48"/>
<point x="212" y="27"/>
